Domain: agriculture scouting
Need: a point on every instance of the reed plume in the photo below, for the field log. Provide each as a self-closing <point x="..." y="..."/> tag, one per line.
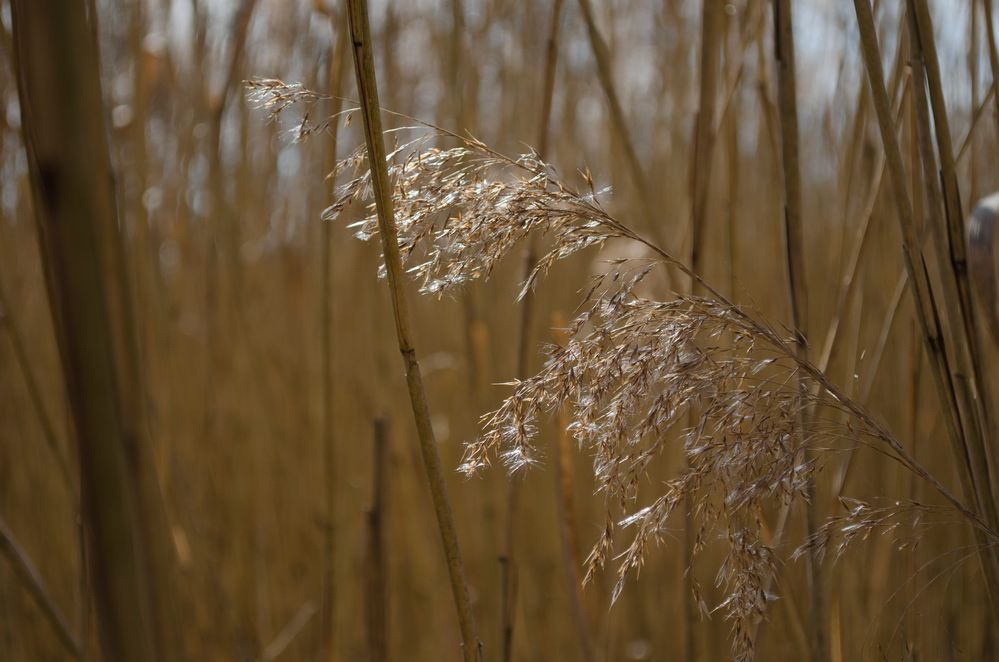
<point x="635" y="367"/>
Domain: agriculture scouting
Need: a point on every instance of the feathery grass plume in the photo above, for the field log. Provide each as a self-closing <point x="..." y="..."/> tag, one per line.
<point x="276" y="97"/>
<point x="633" y="368"/>
<point x="862" y="519"/>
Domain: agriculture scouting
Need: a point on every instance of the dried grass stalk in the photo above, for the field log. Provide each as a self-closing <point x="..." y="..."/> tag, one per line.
<point x="58" y="76"/>
<point x="794" y="246"/>
<point x="328" y="638"/>
<point x="379" y="185"/>
<point x="32" y="581"/>
<point x="957" y="403"/>
<point x="507" y="554"/>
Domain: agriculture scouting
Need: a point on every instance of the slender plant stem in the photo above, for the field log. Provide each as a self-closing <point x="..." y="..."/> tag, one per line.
<point x="326" y="324"/>
<point x="29" y="576"/>
<point x="69" y="166"/>
<point x="377" y="589"/>
<point x="619" y="123"/>
<point x="700" y="178"/>
<point x="943" y="197"/>
<point x="976" y="119"/>
<point x="569" y="537"/>
<point x="930" y="323"/>
<point x="990" y="33"/>
<point x="925" y="55"/>
<point x="704" y="131"/>
<point x="507" y="555"/>
<point x="794" y="244"/>
<point x="34" y="392"/>
<point x="364" y="69"/>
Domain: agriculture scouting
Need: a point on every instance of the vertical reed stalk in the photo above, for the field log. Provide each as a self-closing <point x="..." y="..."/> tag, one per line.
<point x="787" y="106"/>
<point x="925" y="55"/>
<point x="939" y="197"/>
<point x="568" y="533"/>
<point x="69" y="166"/>
<point x="990" y="33"/>
<point x="927" y="314"/>
<point x="328" y="639"/>
<point x="508" y="589"/>
<point x="32" y="581"/>
<point x="476" y="331"/>
<point x="364" y="69"/>
<point x="704" y="133"/>
<point x="700" y="177"/>
<point x="377" y="589"/>
<point x="729" y="122"/>
<point x="34" y="392"/>
<point x="619" y="123"/>
<point x="794" y="245"/>
<point x="973" y="59"/>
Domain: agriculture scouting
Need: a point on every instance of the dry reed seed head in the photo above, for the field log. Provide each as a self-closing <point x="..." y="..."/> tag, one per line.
<point x="906" y="520"/>
<point x="745" y="574"/>
<point x="459" y="211"/>
<point x="632" y="370"/>
<point x="277" y="97"/>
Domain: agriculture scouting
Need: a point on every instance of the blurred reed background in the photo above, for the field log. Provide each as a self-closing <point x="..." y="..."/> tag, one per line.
<point x="298" y="514"/>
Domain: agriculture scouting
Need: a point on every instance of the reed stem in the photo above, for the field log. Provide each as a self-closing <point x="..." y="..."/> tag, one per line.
<point x="69" y="165"/>
<point x="32" y="581"/>
<point x="954" y="400"/>
<point x="328" y="639"/>
<point x="364" y="69"/>
<point x="794" y="245"/>
<point x="508" y="590"/>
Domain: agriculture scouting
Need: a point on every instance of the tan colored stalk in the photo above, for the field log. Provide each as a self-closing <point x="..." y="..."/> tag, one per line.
<point x="915" y="494"/>
<point x="376" y="594"/>
<point x="731" y="128"/>
<point x="476" y="332"/>
<point x="990" y="33"/>
<point x="30" y="578"/>
<point x="367" y="88"/>
<point x="930" y="323"/>
<point x="34" y="393"/>
<point x="925" y="56"/>
<point x="976" y="118"/>
<point x="767" y="108"/>
<point x="279" y="644"/>
<point x="952" y="272"/>
<point x="222" y="225"/>
<point x="737" y="50"/>
<point x="704" y="133"/>
<point x="568" y="532"/>
<point x="872" y="365"/>
<point x="327" y="618"/>
<point x="700" y="178"/>
<point x="848" y="289"/>
<point x="848" y="280"/>
<point x="787" y="106"/>
<point x="508" y="590"/>
<point x="619" y="123"/>
<point x="70" y="170"/>
<point x="794" y="246"/>
<point x="853" y="170"/>
<point x="972" y="60"/>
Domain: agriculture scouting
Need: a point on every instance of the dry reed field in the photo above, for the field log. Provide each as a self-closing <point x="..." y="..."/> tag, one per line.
<point x="487" y="330"/>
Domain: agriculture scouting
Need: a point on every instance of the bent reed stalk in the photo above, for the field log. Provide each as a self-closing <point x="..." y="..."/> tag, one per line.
<point x="364" y="69"/>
